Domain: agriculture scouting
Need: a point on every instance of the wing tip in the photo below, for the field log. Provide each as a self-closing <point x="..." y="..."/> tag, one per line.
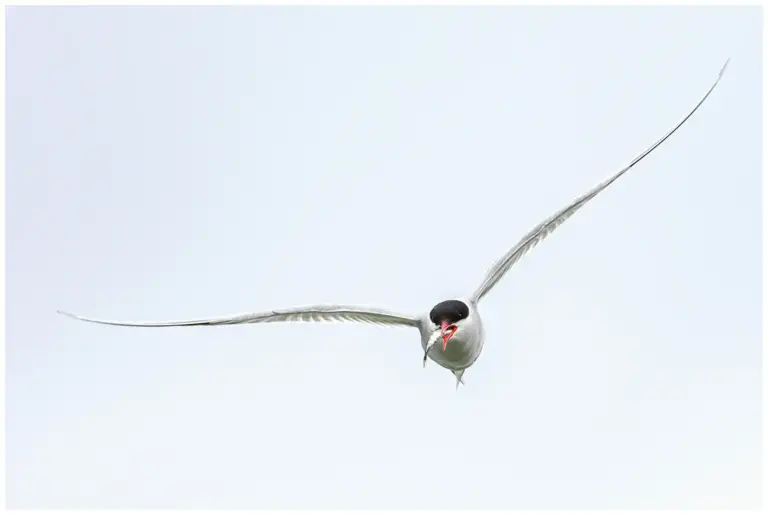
<point x="77" y="317"/>
<point x="722" y="70"/>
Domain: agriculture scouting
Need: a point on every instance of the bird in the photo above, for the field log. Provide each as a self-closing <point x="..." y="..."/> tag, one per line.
<point x="451" y="333"/>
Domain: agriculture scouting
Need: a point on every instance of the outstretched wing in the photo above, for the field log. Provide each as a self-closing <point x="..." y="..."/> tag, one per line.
<point x="329" y="313"/>
<point x="546" y="227"/>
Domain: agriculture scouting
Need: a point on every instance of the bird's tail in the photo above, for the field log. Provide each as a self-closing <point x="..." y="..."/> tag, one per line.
<point x="459" y="380"/>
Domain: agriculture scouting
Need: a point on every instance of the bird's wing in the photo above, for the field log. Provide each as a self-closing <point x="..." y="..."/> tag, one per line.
<point x="543" y="230"/>
<point x="326" y="313"/>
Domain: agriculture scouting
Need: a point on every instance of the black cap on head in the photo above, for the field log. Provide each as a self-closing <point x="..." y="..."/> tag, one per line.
<point x="449" y="310"/>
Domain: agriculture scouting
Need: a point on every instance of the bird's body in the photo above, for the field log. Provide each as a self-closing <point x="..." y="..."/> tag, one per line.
<point x="465" y="346"/>
<point x="456" y="321"/>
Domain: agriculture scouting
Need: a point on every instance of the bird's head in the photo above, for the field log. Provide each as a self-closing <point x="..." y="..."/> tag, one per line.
<point x="448" y="316"/>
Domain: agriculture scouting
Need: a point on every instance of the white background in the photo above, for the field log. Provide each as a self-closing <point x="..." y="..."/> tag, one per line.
<point x="183" y="163"/>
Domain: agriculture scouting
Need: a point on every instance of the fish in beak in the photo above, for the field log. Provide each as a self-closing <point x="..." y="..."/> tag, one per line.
<point x="446" y="331"/>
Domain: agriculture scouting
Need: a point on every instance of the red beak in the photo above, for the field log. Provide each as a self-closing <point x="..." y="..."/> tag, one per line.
<point x="447" y="335"/>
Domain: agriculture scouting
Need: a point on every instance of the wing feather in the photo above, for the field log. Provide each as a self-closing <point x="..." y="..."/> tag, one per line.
<point x="324" y="313"/>
<point x="545" y="228"/>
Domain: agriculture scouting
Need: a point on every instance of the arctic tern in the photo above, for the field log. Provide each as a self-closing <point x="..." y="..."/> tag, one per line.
<point x="455" y="323"/>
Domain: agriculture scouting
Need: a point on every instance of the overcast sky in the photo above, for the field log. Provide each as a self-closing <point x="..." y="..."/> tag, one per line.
<point x="192" y="162"/>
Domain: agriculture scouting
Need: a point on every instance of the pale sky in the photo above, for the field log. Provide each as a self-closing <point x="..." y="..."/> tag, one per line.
<point x="190" y="162"/>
